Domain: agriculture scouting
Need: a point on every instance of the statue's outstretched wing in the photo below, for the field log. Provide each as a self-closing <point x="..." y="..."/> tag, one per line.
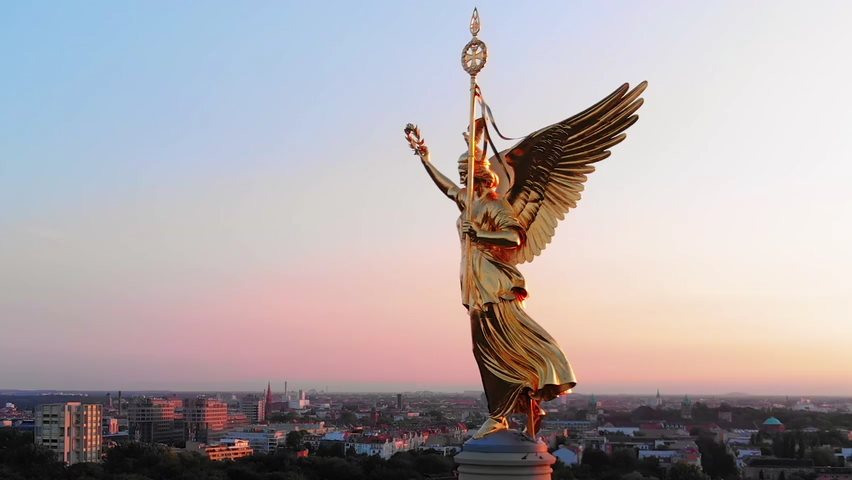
<point x="550" y="165"/>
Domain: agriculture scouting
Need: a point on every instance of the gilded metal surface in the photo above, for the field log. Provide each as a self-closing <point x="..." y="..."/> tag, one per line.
<point x="474" y="23"/>
<point x="520" y="364"/>
<point x="474" y="54"/>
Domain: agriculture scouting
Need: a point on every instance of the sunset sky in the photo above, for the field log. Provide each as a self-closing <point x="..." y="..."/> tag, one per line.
<point x="204" y="195"/>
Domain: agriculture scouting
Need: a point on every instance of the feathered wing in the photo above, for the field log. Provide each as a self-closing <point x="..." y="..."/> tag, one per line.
<point x="550" y="166"/>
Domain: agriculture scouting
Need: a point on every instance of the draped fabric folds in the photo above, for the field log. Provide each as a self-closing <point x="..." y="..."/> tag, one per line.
<point x="515" y="355"/>
<point x="518" y="356"/>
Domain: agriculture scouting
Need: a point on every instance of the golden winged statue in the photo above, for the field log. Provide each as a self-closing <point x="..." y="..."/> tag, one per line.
<point x="511" y="219"/>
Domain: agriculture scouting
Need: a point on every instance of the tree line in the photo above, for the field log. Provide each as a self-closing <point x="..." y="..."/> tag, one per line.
<point x="21" y="459"/>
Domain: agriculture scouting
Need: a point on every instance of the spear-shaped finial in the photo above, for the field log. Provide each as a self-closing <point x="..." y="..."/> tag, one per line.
<point x="474" y="23"/>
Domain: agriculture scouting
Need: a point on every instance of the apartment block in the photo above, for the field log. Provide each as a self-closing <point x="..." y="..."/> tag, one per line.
<point x="73" y="430"/>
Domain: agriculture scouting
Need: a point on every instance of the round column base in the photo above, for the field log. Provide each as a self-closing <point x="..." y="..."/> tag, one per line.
<point x="507" y="454"/>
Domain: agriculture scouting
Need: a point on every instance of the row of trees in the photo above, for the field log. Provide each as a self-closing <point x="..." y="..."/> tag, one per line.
<point x="745" y="417"/>
<point x="623" y="465"/>
<point x="20" y="459"/>
<point x="793" y="419"/>
<point x="799" y="444"/>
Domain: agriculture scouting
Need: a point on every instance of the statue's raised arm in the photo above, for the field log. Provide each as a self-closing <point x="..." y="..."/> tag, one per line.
<point x="418" y="145"/>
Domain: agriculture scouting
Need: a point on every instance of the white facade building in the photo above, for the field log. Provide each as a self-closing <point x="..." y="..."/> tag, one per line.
<point x="568" y="456"/>
<point x="73" y="430"/>
<point x="261" y="440"/>
<point x="299" y="403"/>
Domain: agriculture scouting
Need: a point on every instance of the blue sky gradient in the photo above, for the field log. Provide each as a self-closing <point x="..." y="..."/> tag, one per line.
<point x="197" y="177"/>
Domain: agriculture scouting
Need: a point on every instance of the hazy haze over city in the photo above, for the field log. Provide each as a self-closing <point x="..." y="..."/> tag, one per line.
<point x="207" y="198"/>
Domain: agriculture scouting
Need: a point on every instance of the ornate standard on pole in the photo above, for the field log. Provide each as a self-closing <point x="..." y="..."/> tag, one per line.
<point x="473" y="58"/>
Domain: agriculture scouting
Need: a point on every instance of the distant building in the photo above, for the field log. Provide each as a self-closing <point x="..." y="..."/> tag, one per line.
<point x="205" y="419"/>
<point x="300" y="403"/>
<point x="399" y="401"/>
<point x="805" y="405"/>
<point x="610" y="430"/>
<point x="569" y="454"/>
<point x="659" y="400"/>
<point x="834" y="473"/>
<point x="686" y="408"/>
<point x="72" y="430"/>
<point x="593" y="409"/>
<point x="381" y="447"/>
<point x="261" y="439"/>
<point x="267" y="404"/>
<point x="110" y="426"/>
<point x="772" y="425"/>
<point x="24" y="425"/>
<point x="312" y="428"/>
<point x="254" y="409"/>
<point x="155" y="420"/>
<point x="672" y="452"/>
<point x="225" y="450"/>
<point x="743" y="454"/>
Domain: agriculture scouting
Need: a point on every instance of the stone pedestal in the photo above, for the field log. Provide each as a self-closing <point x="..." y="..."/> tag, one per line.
<point x="507" y="454"/>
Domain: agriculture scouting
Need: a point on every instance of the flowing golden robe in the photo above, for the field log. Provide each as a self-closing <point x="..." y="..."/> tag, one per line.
<point x="516" y="357"/>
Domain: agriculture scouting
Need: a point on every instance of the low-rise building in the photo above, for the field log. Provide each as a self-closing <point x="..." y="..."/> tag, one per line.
<point x="224" y="450"/>
<point x="771" y="468"/>
<point x="261" y="439"/>
<point x="743" y="454"/>
<point x="672" y="452"/>
<point x="383" y="447"/>
<point x="833" y="473"/>
<point x="610" y="430"/>
<point x="110" y="426"/>
<point x="569" y="454"/>
<point x="316" y="428"/>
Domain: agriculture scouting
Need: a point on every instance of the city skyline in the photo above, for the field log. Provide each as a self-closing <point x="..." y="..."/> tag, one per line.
<point x="211" y="197"/>
<point x="243" y="387"/>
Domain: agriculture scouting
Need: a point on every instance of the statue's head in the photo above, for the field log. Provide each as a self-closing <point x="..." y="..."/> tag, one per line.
<point x="483" y="176"/>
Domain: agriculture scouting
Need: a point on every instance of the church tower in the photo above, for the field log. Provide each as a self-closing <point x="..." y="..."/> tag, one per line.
<point x="686" y="408"/>
<point x="593" y="410"/>
<point x="268" y="398"/>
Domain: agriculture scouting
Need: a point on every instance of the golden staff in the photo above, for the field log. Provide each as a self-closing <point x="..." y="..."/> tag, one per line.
<point x="473" y="59"/>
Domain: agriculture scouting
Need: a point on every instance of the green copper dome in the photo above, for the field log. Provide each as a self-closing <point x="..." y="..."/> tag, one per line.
<point x="772" y="421"/>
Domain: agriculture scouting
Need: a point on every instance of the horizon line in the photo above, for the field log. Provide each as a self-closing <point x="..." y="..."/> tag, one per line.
<point x="379" y="392"/>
